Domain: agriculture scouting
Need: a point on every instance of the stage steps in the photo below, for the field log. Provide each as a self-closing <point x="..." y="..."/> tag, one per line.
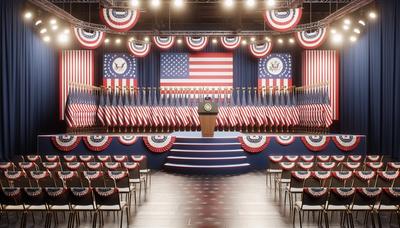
<point x="198" y="155"/>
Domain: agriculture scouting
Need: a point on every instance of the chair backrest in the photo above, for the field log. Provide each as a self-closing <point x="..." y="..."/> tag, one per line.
<point x="323" y="158"/>
<point x="95" y="178"/>
<point x="94" y="166"/>
<point x="112" y="165"/>
<point x="82" y="196"/>
<point x="133" y="169"/>
<point x="120" y="158"/>
<point x="121" y="178"/>
<point x="364" y="178"/>
<point x="366" y="196"/>
<point x="57" y="195"/>
<point x="52" y="158"/>
<point x="341" y="196"/>
<point x="103" y="158"/>
<point x="287" y="167"/>
<point x="70" y="178"/>
<point x="341" y="179"/>
<point x="390" y="196"/>
<point x="142" y="160"/>
<point x="42" y="178"/>
<point x="355" y="158"/>
<point x="273" y="162"/>
<point x="314" y="196"/>
<point x="298" y="178"/>
<point x="4" y="166"/>
<point x="305" y="165"/>
<point x="375" y="166"/>
<point x="107" y="196"/>
<point x="17" y="178"/>
<point x="386" y="178"/>
<point x="393" y="166"/>
<point x="34" y="196"/>
<point x="307" y="158"/>
<point x="70" y="158"/>
<point x="323" y="177"/>
<point x="291" y="158"/>
<point x="52" y="166"/>
<point x="86" y="158"/>
<point x="351" y="166"/>
<point x="326" y="166"/>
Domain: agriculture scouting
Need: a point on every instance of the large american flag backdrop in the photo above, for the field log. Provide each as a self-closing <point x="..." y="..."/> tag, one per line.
<point x="119" y="71"/>
<point x="74" y="66"/>
<point x="321" y="66"/>
<point x="196" y="71"/>
<point x="275" y="70"/>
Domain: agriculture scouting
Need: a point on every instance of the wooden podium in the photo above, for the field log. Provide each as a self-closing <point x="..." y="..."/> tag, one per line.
<point x="208" y="112"/>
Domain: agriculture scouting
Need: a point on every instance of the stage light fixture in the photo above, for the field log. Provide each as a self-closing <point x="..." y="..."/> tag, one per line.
<point x="178" y="3"/>
<point x="62" y="38"/>
<point x="38" y="22"/>
<point x="347" y="21"/>
<point x="250" y="3"/>
<point x="267" y="39"/>
<point x="131" y="39"/>
<point x="179" y="41"/>
<point x="28" y="15"/>
<point x="361" y="22"/>
<point x="53" y="21"/>
<point x="46" y="39"/>
<point x="43" y="30"/>
<point x="346" y="27"/>
<point x="214" y="40"/>
<point x="353" y="39"/>
<point x="333" y="31"/>
<point x="280" y="41"/>
<point x="337" y="38"/>
<point x="270" y="3"/>
<point x="146" y="38"/>
<point x="155" y="4"/>
<point x="244" y="42"/>
<point x="118" y="41"/>
<point x="291" y="40"/>
<point x="228" y="3"/>
<point x="372" y="15"/>
<point x="135" y="3"/>
<point x="106" y="41"/>
<point x="252" y="39"/>
<point x="357" y="30"/>
<point x="54" y="27"/>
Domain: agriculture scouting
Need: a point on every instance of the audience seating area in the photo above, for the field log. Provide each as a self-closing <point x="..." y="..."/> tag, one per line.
<point x="72" y="184"/>
<point x="344" y="184"/>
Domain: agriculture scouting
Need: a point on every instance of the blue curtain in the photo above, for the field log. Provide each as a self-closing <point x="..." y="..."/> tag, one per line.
<point x="28" y="83"/>
<point x="370" y="94"/>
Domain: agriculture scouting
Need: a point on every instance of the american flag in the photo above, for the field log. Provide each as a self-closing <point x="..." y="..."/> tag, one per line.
<point x="194" y="71"/>
<point x="321" y="66"/>
<point x="119" y="70"/>
<point x="275" y="70"/>
<point x="75" y="66"/>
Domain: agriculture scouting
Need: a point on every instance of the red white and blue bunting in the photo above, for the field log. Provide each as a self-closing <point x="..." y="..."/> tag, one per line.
<point x="370" y="192"/>
<point x="105" y="192"/>
<point x="93" y="165"/>
<point x="66" y="142"/>
<point x="164" y="42"/>
<point x="130" y="165"/>
<point x="120" y="20"/>
<point x="311" y="39"/>
<point x="394" y="165"/>
<point x="285" y="139"/>
<point x="120" y="158"/>
<point x="316" y="192"/>
<point x="375" y="165"/>
<point x="352" y="165"/>
<point x="393" y="192"/>
<point x="5" y="165"/>
<point x="70" y="158"/>
<point x="346" y="142"/>
<point x="322" y="175"/>
<point x="86" y="158"/>
<point x="344" y="192"/>
<point x="388" y="175"/>
<point x="365" y="175"/>
<point x="287" y="165"/>
<point x="127" y="140"/>
<point x="117" y="175"/>
<point x="260" y="50"/>
<point x="230" y="42"/>
<point x="139" y="49"/>
<point x="306" y="165"/>
<point x="91" y="175"/>
<point x="89" y="39"/>
<point x="51" y="165"/>
<point x="80" y="191"/>
<point x="373" y="158"/>
<point x="26" y="165"/>
<point x="11" y="191"/>
<point x="301" y="175"/>
<point x="292" y="158"/>
<point x="65" y="175"/>
<point x="103" y="158"/>
<point x="323" y="158"/>
<point x="342" y="175"/>
<point x="355" y="158"/>
<point x="37" y="175"/>
<point x="13" y="175"/>
<point x="254" y="143"/>
<point x="327" y="165"/>
<point x="97" y="142"/>
<point x="52" y="158"/>
<point x="338" y="158"/>
<point x="307" y="158"/>
<point x="159" y="143"/>
<point x="112" y="165"/>
<point x="73" y="165"/>
<point x="282" y="20"/>
<point x="196" y="43"/>
<point x="315" y="142"/>
<point x="33" y="158"/>
<point x="55" y="191"/>
<point x="276" y="158"/>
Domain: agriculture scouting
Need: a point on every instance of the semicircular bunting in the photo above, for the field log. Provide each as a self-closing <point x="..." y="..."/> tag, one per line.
<point x="311" y="39"/>
<point x="260" y="50"/>
<point x="89" y="39"/>
<point x="230" y="42"/>
<point x="164" y="42"/>
<point x="254" y="143"/>
<point x="285" y="139"/>
<point x="139" y="49"/>
<point x="66" y="142"/>
<point x="120" y="20"/>
<point x="127" y="140"/>
<point x="282" y="20"/>
<point x="97" y="142"/>
<point x="315" y="142"/>
<point x="346" y="142"/>
<point x="159" y="143"/>
<point x="196" y="43"/>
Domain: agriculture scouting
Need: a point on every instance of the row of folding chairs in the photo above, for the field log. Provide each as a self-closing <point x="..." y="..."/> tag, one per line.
<point x="82" y="158"/>
<point x="51" y="200"/>
<point x="347" y="200"/>
<point x="327" y="158"/>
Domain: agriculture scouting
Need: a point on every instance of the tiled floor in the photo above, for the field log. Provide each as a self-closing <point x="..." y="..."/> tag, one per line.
<point x="206" y="201"/>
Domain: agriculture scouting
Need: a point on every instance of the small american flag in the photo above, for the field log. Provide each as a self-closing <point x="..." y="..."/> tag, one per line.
<point x="275" y="70"/>
<point x="119" y="70"/>
<point x="195" y="71"/>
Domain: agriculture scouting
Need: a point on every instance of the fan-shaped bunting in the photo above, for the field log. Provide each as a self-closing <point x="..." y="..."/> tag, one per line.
<point x="159" y="143"/>
<point x="315" y="142"/>
<point x="311" y="39"/>
<point x="230" y="42"/>
<point x="346" y="142"/>
<point x="120" y="20"/>
<point x="283" y="20"/>
<point x="97" y="142"/>
<point x="89" y="39"/>
<point x="260" y="50"/>
<point x="164" y="42"/>
<point x="254" y="143"/>
<point x="196" y="43"/>
<point x="138" y="49"/>
<point x="66" y="142"/>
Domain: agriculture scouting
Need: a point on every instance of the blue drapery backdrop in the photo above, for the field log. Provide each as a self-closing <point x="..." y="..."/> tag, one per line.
<point x="370" y="82"/>
<point x="28" y="83"/>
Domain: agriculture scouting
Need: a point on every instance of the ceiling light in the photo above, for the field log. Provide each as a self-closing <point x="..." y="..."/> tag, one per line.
<point x="280" y="41"/>
<point x="353" y="38"/>
<point x="228" y="3"/>
<point x="372" y="15"/>
<point x="43" y="30"/>
<point x="46" y="39"/>
<point x="250" y="3"/>
<point x="345" y="27"/>
<point x="53" y="21"/>
<point x="106" y="41"/>
<point x="214" y="41"/>
<point x="28" y="15"/>
<point x="179" y="41"/>
<point x="356" y="30"/>
<point x="252" y="39"/>
<point x="155" y="4"/>
<point x="66" y="31"/>
<point x="337" y="38"/>
<point x="270" y="3"/>
<point x="146" y="38"/>
<point x="38" y="22"/>
<point x="347" y="21"/>
<point x="54" y="27"/>
<point x="291" y="40"/>
<point x="131" y="39"/>
<point x="135" y="3"/>
<point x="267" y="39"/>
<point x="244" y="42"/>
<point x="333" y="31"/>
<point x="62" y="38"/>
<point x="361" y="22"/>
<point x="118" y="41"/>
<point x="178" y="3"/>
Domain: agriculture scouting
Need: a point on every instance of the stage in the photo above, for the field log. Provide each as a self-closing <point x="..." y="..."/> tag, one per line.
<point x="188" y="152"/>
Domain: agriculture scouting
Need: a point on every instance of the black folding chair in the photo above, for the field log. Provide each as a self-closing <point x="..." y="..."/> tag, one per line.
<point x="389" y="202"/>
<point x="107" y="199"/>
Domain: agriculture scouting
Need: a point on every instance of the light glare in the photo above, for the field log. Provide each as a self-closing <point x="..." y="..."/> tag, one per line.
<point x="28" y="15"/>
<point x="178" y="3"/>
<point x="46" y="39"/>
<point x="228" y="3"/>
<point x="155" y="3"/>
<point x="250" y="3"/>
<point x="372" y="15"/>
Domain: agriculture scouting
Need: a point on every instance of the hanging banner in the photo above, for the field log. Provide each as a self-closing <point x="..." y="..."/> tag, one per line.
<point x="89" y="39"/>
<point x="283" y="20"/>
<point x="66" y="142"/>
<point x="120" y="20"/>
<point x="164" y="42"/>
<point x="159" y="143"/>
<point x="254" y="143"/>
<point x="311" y="39"/>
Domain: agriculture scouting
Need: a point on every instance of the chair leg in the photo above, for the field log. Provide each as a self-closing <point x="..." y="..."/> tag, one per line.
<point x="351" y="220"/>
<point x="379" y="219"/>
<point x="94" y="224"/>
<point x="127" y="218"/>
<point x="325" y="214"/>
<point x="121" y="219"/>
<point x="372" y="219"/>
<point x="294" y="217"/>
<point x="301" y="225"/>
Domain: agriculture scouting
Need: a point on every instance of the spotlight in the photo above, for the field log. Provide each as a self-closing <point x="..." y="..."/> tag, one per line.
<point x="155" y="4"/>
<point x="178" y="3"/>
<point x="135" y="3"/>
<point x="46" y="39"/>
<point x="280" y="41"/>
<point x="337" y="38"/>
<point x="43" y="30"/>
<point x="267" y="39"/>
<point x="28" y="15"/>
<point x="229" y="3"/>
<point x="353" y="38"/>
<point x="214" y="41"/>
<point x="106" y="41"/>
<point x="118" y="41"/>
<point x="252" y="39"/>
<point x="347" y="21"/>
<point x="179" y="41"/>
<point x="333" y="31"/>
<point x="291" y="40"/>
<point x="62" y="38"/>
<point x="54" y="27"/>
<point x="131" y="39"/>
<point x="244" y="42"/>
<point x="38" y="22"/>
<point x="66" y="31"/>
<point x="250" y="3"/>
<point x="270" y="3"/>
<point x="356" y="30"/>
<point x="146" y="38"/>
<point x="372" y="15"/>
<point x="361" y="22"/>
<point x="53" y="21"/>
<point x="345" y="27"/>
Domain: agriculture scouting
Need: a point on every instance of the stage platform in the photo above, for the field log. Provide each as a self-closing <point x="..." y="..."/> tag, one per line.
<point x="189" y="153"/>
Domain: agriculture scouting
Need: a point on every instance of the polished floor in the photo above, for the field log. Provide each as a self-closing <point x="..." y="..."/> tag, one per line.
<point x="206" y="201"/>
